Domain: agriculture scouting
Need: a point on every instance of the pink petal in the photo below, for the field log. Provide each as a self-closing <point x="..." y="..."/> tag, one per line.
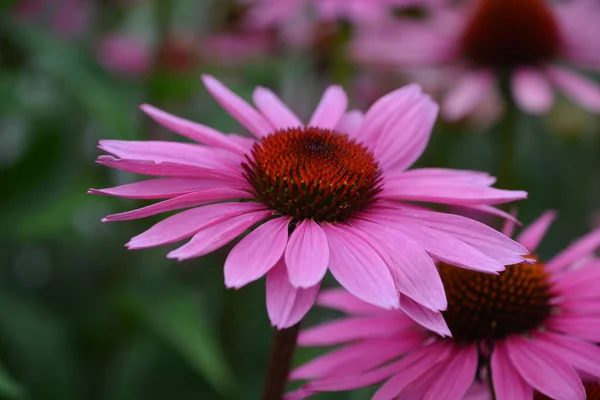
<point x="355" y="328"/>
<point x="199" y="132"/>
<point x="584" y="356"/>
<point x="331" y="108"/>
<point x="161" y="188"/>
<point x="434" y="321"/>
<point x="583" y="326"/>
<point x="544" y="371"/>
<point x="508" y="384"/>
<point x="358" y="267"/>
<point x="580" y="283"/>
<point x="183" y="201"/>
<point x="405" y="136"/>
<point x="532" y="91"/>
<point x="576" y="251"/>
<point x="441" y="175"/>
<point x="217" y="235"/>
<point x="497" y="213"/>
<point x="307" y="254"/>
<point x="257" y="253"/>
<point x="237" y="107"/>
<point x="280" y="116"/>
<point x="457" y="376"/>
<point x="535" y="232"/>
<point x="581" y="90"/>
<point x="339" y="299"/>
<point x="467" y="94"/>
<point x="287" y="305"/>
<point x="350" y="123"/>
<point x="187" y="223"/>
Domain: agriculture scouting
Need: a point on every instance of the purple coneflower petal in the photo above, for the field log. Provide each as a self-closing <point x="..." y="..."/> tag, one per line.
<point x="531" y="236"/>
<point x="269" y="104"/>
<point x="331" y="108"/>
<point x="440" y="175"/>
<point x="468" y="93"/>
<point x="582" y="355"/>
<point x="577" y="250"/>
<point x="257" y="253"/>
<point x="584" y="326"/>
<point x="238" y="108"/>
<point x="307" y="254"/>
<point x="508" y="384"/>
<point x="198" y="132"/>
<point x="532" y="91"/>
<point x="579" y="283"/>
<point x="432" y="320"/>
<point x="287" y="305"/>
<point x="217" y="235"/>
<point x="544" y="371"/>
<point x="339" y="299"/>
<point x="457" y="377"/>
<point x="161" y="188"/>
<point x="581" y="90"/>
<point x="496" y="212"/>
<point x="186" y="223"/>
<point x="351" y="123"/>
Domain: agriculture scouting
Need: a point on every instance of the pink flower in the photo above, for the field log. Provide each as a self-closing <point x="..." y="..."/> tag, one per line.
<point x="127" y="55"/>
<point x="533" y="327"/>
<point x="329" y="195"/>
<point x="485" y="39"/>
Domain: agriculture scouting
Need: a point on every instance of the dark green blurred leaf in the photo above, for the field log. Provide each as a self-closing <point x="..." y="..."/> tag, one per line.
<point x="8" y="387"/>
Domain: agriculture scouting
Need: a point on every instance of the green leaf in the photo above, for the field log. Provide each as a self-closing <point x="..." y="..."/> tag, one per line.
<point x="8" y="387"/>
<point x="176" y="318"/>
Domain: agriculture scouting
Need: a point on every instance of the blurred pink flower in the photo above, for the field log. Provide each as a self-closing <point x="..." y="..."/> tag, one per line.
<point x="535" y="325"/>
<point x="329" y="195"/>
<point x="126" y="55"/>
<point x="233" y="48"/>
<point x="486" y="38"/>
<point x="64" y="17"/>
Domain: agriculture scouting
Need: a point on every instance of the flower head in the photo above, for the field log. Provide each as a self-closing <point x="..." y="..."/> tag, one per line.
<point x="532" y="327"/>
<point x="487" y="39"/>
<point x="329" y="195"/>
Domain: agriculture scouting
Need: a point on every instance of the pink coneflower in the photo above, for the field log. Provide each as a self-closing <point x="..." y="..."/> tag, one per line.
<point x="487" y="39"/>
<point x="125" y="55"/>
<point x="327" y="195"/>
<point x="532" y="327"/>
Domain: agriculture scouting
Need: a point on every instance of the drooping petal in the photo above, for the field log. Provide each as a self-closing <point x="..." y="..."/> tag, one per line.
<point x="184" y="201"/>
<point x="457" y="377"/>
<point x="307" y="254"/>
<point x="331" y="108"/>
<point x="535" y="232"/>
<point x="257" y="253"/>
<point x="269" y="104"/>
<point x="287" y="305"/>
<point x="544" y="371"/>
<point x="239" y="109"/>
<point x="358" y="267"/>
<point x="186" y="223"/>
<point x="508" y="384"/>
<point x="199" y="132"/>
<point x="581" y="90"/>
<point x="432" y="320"/>
<point x="161" y="188"/>
<point x="215" y="236"/>
<point x="582" y="355"/>
<point x="576" y="251"/>
<point x="467" y="94"/>
<point x="339" y="299"/>
<point x="532" y="91"/>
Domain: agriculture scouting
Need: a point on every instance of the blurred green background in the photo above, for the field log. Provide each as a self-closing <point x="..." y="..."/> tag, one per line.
<point x="83" y="318"/>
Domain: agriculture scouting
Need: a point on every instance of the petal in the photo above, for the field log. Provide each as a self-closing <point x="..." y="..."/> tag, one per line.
<point x="350" y="123"/>
<point x="544" y="371"/>
<point x="161" y="188"/>
<point x="457" y="377"/>
<point x="215" y="236"/>
<point x="307" y="254"/>
<point x="287" y="305"/>
<point x="581" y="90"/>
<point x="535" y="232"/>
<point x="441" y="175"/>
<point x="579" y="283"/>
<point x="583" y="326"/>
<point x="274" y="110"/>
<point x="199" y="132"/>
<point x="237" y="107"/>
<point x="576" y="251"/>
<point x="331" y="108"/>
<point x="532" y="91"/>
<point x="508" y="384"/>
<point x="187" y="223"/>
<point x="434" y="321"/>
<point x="339" y="299"/>
<point x="358" y="267"/>
<point x="257" y="253"/>
<point x="467" y="94"/>
<point x="183" y="201"/>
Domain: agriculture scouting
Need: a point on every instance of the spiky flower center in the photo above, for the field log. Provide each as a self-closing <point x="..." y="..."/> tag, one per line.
<point x="511" y="33"/>
<point x="313" y="173"/>
<point x="592" y="392"/>
<point x="490" y="307"/>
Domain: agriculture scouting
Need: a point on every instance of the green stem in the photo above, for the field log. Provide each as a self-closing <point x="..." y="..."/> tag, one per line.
<point x="280" y="362"/>
<point x="507" y="139"/>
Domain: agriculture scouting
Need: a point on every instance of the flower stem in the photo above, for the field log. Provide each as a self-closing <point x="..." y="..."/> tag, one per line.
<point x="280" y="362"/>
<point x="507" y="139"/>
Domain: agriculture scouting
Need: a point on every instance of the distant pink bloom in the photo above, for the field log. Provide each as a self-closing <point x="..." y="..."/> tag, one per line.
<point x="237" y="47"/>
<point x="126" y="55"/>
<point x="528" y="39"/>
<point x="329" y="195"/>
<point x="535" y="325"/>
<point x="64" y="17"/>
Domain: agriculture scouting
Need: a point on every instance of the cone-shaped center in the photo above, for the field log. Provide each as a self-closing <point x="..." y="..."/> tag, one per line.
<point x="313" y="173"/>
<point x="485" y="306"/>
<point x="511" y="33"/>
<point x="592" y="392"/>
